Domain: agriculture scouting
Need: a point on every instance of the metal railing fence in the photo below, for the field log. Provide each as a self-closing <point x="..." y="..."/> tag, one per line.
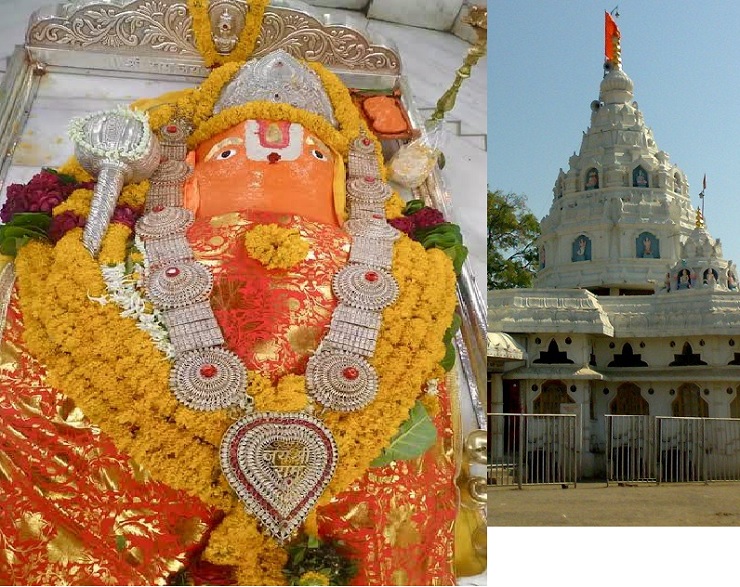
<point x="630" y="448"/>
<point x="533" y="449"/>
<point x="698" y="449"/>
<point x="664" y="449"/>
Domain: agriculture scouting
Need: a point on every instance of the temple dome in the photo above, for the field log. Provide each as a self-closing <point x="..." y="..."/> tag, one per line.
<point x="616" y="87"/>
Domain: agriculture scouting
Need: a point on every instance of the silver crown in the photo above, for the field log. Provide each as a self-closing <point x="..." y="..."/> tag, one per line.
<point x="277" y="77"/>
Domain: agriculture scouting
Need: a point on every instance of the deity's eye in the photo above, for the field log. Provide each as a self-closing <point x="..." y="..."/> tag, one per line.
<point x="318" y="154"/>
<point x="226" y="154"/>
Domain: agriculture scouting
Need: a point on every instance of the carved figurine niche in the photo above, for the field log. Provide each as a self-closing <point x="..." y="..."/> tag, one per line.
<point x="227" y="22"/>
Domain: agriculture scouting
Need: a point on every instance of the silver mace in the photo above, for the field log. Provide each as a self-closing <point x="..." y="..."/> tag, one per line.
<point x="117" y="147"/>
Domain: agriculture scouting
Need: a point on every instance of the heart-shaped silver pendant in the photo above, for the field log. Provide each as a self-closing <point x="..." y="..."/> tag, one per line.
<point x="278" y="464"/>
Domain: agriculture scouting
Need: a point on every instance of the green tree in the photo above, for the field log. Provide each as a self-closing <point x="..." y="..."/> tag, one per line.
<point x="512" y="233"/>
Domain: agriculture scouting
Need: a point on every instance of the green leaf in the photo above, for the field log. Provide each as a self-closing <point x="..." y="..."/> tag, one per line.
<point x="448" y="362"/>
<point x="63" y="177"/>
<point x="413" y="206"/>
<point x="32" y="220"/>
<point x="313" y="542"/>
<point x="120" y="542"/>
<point x="457" y="253"/>
<point x="10" y="246"/>
<point x="415" y="436"/>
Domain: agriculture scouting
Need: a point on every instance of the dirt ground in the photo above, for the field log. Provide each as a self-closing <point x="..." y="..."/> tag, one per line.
<point x="595" y="504"/>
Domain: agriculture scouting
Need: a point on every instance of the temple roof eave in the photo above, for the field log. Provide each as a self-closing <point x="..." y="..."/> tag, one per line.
<point x="546" y="310"/>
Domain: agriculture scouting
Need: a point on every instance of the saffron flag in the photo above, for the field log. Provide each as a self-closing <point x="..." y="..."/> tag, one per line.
<point x="611" y="33"/>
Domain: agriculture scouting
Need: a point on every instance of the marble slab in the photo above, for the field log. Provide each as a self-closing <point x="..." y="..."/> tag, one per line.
<point x="433" y="14"/>
<point x="347" y="4"/>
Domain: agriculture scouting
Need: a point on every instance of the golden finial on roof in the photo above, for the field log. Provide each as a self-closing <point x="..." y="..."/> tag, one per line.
<point x="699" y="218"/>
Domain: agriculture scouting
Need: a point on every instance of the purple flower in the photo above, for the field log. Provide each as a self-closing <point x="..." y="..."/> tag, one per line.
<point x="427" y="217"/>
<point x="403" y="224"/>
<point x="63" y="223"/>
<point x="42" y="194"/>
<point x="45" y="180"/>
<point x="16" y="201"/>
<point x="125" y="215"/>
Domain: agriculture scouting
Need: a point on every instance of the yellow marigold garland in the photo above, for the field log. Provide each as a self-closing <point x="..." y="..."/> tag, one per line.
<point x="77" y="202"/>
<point x="113" y="248"/>
<point x="112" y="370"/>
<point x="313" y="578"/>
<point x="198" y="9"/>
<point x="394" y="206"/>
<point x="133" y="195"/>
<point x="276" y="247"/>
<point x="72" y="167"/>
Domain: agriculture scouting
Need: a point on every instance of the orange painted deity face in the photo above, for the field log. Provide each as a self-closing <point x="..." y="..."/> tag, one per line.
<point x="263" y="165"/>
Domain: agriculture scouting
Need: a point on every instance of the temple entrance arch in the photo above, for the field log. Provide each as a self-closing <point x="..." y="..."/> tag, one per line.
<point x="735" y="404"/>
<point x="629" y="402"/>
<point x="552" y="396"/>
<point x="689" y="403"/>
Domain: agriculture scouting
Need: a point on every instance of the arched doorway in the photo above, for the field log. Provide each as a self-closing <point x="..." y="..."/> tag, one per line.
<point x="629" y="402"/>
<point x="553" y="394"/>
<point x="689" y="403"/>
<point x="735" y="405"/>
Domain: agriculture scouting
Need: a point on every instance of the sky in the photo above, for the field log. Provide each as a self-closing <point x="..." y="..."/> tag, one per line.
<point x="545" y="60"/>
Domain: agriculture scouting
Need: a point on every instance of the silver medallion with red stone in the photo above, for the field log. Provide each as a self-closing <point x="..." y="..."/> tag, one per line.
<point x="174" y="132"/>
<point x="279" y="464"/>
<point x="340" y="380"/>
<point x="368" y="189"/>
<point x="178" y="284"/>
<point x="363" y="144"/>
<point x="210" y="379"/>
<point x="368" y="288"/>
<point x="163" y="221"/>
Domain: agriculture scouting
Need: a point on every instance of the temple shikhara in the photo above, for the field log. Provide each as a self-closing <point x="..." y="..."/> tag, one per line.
<point x="630" y="333"/>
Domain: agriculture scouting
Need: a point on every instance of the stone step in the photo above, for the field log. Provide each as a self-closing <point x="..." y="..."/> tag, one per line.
<point x="459" y="129"/>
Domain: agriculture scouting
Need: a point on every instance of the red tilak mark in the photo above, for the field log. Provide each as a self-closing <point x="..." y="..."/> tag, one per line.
<point x="274" y="157"/>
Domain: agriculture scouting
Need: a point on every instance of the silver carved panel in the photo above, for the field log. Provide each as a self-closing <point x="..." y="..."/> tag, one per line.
<point x="155" y="33"/>
<point x="156" y="25"/>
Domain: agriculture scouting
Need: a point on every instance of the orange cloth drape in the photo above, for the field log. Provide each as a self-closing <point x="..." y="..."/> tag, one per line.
<point x="74" y="510"/>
